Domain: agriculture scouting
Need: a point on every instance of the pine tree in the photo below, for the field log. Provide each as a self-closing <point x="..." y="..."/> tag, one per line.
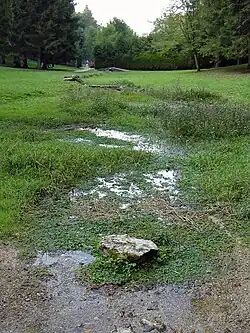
<point x="56" y="28"/>
<point x="6" y="22"/>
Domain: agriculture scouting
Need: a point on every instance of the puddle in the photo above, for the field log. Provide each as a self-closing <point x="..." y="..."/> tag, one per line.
<point x="74" y="308"/>
<point x="218" y="305"/>
<point x="162" y="183"/>
<point x="69" y="259"/>
<point x="139" y="142"/>
<point x="62" y="265"/>
<point x="117" y="185"/>
<point x="162" y="180"/>
<point x="90" y="142"/>
<point x="125" y="206"/>
<point x="78" y="140"/>
<point x="110" y="146"/>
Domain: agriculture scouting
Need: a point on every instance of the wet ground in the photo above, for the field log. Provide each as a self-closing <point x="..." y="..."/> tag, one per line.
<point x="43" y="295"/>
<point x="119" y="139"/>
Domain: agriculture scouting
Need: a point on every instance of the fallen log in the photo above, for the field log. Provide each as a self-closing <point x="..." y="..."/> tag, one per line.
<point x="76" y="78"/>
<point x="106" y="86"/>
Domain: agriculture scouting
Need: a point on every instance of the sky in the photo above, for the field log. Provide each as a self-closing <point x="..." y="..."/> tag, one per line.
<point x="136" y="13"/>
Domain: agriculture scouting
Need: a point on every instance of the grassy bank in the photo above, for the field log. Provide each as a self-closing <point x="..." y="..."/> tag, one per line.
<point x="206" y="114"/>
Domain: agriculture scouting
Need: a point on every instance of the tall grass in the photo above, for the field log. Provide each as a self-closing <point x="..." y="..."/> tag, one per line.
<point x="88" y="104"/>
<point x="204" y="121"/>
<point x="178" y="93"/>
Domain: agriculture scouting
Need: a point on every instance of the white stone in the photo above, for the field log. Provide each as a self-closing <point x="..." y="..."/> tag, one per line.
<point x="130" y="247"/>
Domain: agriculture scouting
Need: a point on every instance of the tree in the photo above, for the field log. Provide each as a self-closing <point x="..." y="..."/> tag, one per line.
<point x="168" y="38"/>
<point x="86" y="35"/>
<point x="241" y="12"/>
<point x="217" y="29"/>
<point x="56" y="31"/>
<point x="24" y="31"/>
<point x="114" y="42"/>
<point x="40" y="29"/>
<point x="188" y="16"/>
<point x="6" y="22"/>
<point x="90" y="35"/>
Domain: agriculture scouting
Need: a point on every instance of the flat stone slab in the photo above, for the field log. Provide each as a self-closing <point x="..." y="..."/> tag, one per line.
<point x="131" y="248"/>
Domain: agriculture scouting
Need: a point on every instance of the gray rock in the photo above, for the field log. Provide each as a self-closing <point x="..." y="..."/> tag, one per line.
<point x="134" y="249"/>
<point x="124" y="330"/>
<point x="149" y="326"/>
<point x="153" y="306"/>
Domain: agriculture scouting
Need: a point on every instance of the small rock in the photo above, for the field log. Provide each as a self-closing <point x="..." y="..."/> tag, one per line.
<point x="149" y="326"/>
<point x="132" y="248"/>
<point x="153" y="306"/>
<point x="124" y="330"/>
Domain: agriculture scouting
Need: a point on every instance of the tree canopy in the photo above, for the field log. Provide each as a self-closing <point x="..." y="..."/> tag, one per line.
<point x="189" y="34"/>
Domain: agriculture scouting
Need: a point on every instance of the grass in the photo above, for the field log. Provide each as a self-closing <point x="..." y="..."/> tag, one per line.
<point x="228" y="84"/>
<point x="207" y="114"/>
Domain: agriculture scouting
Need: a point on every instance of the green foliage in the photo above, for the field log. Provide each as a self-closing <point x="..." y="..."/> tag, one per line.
<point x="6" y="22"/>
<point x="30" y="26"/>
<point x="126" y="83"/>
<point x="189" y="252"/>
<point x="179" y="93"/>
<point x="113" y="43"/>
<point x="86" y="36"/>
<point x="108" y="270"/>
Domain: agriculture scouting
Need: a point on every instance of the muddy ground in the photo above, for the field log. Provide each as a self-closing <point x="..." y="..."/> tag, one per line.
<point x="43" y="295"/>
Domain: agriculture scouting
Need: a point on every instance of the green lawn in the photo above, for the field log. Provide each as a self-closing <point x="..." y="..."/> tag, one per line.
<point x="192" y="111"/>
<point x="232" y="85"/>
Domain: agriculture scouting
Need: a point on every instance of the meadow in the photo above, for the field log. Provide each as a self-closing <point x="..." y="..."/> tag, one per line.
<point x="204" y="115"/>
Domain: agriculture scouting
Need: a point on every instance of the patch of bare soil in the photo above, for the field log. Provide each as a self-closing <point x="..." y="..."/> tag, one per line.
<point x="56" y="303"/>
<point x="224" y="303"/>
<point x="22" y="297"/>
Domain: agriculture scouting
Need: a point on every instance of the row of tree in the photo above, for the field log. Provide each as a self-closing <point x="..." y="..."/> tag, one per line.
<point x="44" y="30"/>
<point x="190" y="33"/>
<point x="200" y="33"/>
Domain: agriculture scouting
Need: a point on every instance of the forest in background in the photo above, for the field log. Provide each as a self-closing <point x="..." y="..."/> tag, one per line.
<point x="190" y="34"/>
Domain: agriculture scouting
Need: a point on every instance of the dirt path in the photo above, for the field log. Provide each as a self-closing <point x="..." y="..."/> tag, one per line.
<point x="43" y="296"/>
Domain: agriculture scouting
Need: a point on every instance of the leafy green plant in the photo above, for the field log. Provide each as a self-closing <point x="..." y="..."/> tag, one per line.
<point x="109" y="270"/>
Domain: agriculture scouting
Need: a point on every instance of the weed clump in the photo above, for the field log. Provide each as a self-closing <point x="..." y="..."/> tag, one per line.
<point x="126" y="83"/>
<point x="90" y="105"/>
<point x="177" y="93"/>
<point x="202" y="120"/>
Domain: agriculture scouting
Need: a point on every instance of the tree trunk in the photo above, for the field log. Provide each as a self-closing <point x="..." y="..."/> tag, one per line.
<point x="197" y="65"/>
<point x="248" y="63"/>
<point x="3" y="60"/>
<point x="44" y="61"/>
<point x="45" y="65"/>
<point x="25" y="63"/>
<point x="217" y="61"/>
<point x="17" y="62"/>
